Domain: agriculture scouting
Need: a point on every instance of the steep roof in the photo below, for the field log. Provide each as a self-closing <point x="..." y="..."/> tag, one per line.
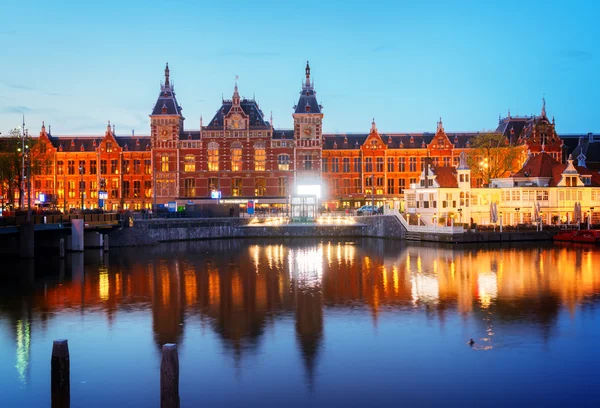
<point x="307" y="103"/>
<point x="166" y="104"/>
<point x="445" y="176"/>
<point x="540" y="165"/>
<point x="250" y="108"/>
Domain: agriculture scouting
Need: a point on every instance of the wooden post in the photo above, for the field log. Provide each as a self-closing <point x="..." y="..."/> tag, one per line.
<point x="105" y="242"/>
<point x="61" y="247"/>
<point x="169" y="377"/>
<point x="60" y="375"/>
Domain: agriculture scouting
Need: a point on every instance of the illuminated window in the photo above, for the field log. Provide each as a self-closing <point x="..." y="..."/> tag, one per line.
<point x="283" y="161"/>
<point x="114" y="166"/>
<point x="260" y="157"/>
<point x="137" y="166"/>
<point x="109" y="147"/>
<point x="189" y="163"/>
<point x="260" y="187"/>
<point x="213" y="156"/>
<point x="236" y="157"/>
<point x="147" y="166"/>
<point x="189" y="187"/>
<point x="137" y="186"/>
<point x="236" y="187"/>
<point x="164" y="163"/>
<point x="147" y="188"/>
<point x="59" y="167"/>
<point x="72" y="189"/>
<point x="282" y="187"/>
<point x="212" y="184"/>
<point x="125" y="167"/>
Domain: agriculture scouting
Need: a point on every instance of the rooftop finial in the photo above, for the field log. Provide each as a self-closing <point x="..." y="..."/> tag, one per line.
<point x="43" y="125"/>
<point x="440" y="127"/>
<point x="373" y="126"/>
<point x="307" y="83"/>
<point x="544" y="107"/>
<point x="167" y="84"/>
<point x="236" y="95"/>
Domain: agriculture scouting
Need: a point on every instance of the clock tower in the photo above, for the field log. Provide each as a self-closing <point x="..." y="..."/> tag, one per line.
<point x="308" y="135"/>
<point x="166" y="124"/>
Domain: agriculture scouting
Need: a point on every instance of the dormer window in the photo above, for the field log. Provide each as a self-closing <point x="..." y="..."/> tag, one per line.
<point x="587" y="180"/>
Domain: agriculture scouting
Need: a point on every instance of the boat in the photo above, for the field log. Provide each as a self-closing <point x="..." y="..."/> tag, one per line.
<point x="582" y="237"/>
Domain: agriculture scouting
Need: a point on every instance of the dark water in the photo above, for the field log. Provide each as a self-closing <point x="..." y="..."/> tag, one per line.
<point x="308" y="323"/>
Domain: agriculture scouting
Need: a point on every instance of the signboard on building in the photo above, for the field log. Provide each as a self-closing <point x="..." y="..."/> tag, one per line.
<point x="215" y="194"/>
<point x="250" y="207"/>
<point x="172" y="206"/>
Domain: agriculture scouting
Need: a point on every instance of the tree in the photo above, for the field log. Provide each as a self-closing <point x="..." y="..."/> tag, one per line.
<point x="492" y="156"/>
<point x="11" y="164"/>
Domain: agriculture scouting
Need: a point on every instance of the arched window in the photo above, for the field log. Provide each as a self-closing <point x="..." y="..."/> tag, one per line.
<point x="236" y="157"/>
<point x="213" y="156"/>
<point x="260" y="157"/>
<point x="164" y="162"/>
<point x="283" y="161"/>
<point x="260" y="187"/>
<point x="189" y="163"/>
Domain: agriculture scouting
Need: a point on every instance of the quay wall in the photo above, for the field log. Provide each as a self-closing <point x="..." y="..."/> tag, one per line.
<point x="147" y="232"/>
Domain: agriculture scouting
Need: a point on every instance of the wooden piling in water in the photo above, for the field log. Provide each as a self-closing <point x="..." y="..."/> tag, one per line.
<point x="60" y="375"/>
<point x="169" y="377"/>
<point x="105" y="243"/>
<point x="61" y="247"/>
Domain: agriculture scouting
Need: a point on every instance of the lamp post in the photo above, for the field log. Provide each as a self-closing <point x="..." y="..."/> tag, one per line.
<point x="501" y="221"/>
<point x="517" y="209"/>
<point x="590" y="217"/>
<point x="81" y="188"/>
<point x="460" y="215"/>
<point x="541" y="220"/>
<point x="418" y="219"/>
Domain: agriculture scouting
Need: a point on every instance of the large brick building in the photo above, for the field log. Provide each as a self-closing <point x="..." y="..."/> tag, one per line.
<point x="239" y="154"/>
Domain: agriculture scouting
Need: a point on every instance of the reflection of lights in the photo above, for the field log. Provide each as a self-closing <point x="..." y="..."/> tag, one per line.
<point x="237" y="291"/>
<point x="395" y="279"/>
<point x="306" y="266"/>
<point x="165" y="284"/>
<point x="189" y="283"/>
<point x="384" y="276"/>
<point x="349" y="253"/>
<point x="23" y="345"/>
<point x="424" y="288"/>
<point x="255" y="252"/>
<point x="214" y="287"/>
<point x="487" y="285"/>
<point x="103" y="283"/>
<point x="339" y="253"/>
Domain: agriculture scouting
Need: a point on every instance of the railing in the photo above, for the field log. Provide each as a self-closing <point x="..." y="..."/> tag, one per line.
<point x="424" y="228"/>
<point x="98" y="219"/>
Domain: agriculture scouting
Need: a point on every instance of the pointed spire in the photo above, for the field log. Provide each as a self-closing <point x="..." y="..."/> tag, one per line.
<point x="307" y="74"/>
<point x="440" y="127"/>
<point x="509" y="113"/>
<point x="272" y="126"/>
<point x="543" y="107"/>
<point x="373" y="126"/>
<point x="201" y="122"/>
<point x="236" y="95"/>
<point x="108" y="127"/>
<point x="167" y="84"/>
<point x="463" y="161"/>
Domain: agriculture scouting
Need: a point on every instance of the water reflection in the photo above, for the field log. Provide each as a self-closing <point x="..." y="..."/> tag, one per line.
<point x="241" y="287"/>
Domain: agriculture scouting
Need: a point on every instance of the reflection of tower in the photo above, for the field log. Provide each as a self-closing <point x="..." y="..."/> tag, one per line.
<point x="309" y="326"/>
<point x="167" y="302"/>
<point x="306" y="268"/>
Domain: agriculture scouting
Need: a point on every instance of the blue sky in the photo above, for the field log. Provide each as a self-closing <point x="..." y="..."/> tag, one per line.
<point x="77" y="64"/>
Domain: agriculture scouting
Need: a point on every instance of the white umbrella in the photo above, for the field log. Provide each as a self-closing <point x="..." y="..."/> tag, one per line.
<point x="495" y="212"/>
<point x="536" y="212"/>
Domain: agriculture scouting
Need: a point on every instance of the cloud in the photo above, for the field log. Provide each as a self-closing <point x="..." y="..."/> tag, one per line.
<point x="15" y="109"/>
<point x="17" y="86"/>
<point x="248" y="54"/>
<point x="580" y="55"/>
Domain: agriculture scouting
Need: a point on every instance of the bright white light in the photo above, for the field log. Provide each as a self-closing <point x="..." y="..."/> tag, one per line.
<point x="306" y="265"/>
<point x="309" y="190"/>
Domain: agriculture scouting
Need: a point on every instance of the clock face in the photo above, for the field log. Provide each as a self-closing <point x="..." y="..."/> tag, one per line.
<point x="307" y="132"/>
<point x="163" y="133"/>
<point x="235" y="122"/>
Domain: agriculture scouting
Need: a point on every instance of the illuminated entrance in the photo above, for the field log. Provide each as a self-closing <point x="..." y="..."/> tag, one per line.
<point x="304" y="208"/>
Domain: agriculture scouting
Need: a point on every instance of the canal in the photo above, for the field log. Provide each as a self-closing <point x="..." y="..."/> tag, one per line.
<point x="306" y="322"/>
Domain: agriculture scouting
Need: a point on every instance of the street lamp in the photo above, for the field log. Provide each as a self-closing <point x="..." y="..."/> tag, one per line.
<point x="460" y="215"/>
<point x="81" y="187"/>
<point x="418" y="219"/>
<point x="517" y="209"/>
<point x="541" y="220"/>
<point x="501" y="214"/>
<point x="590" y="217"/>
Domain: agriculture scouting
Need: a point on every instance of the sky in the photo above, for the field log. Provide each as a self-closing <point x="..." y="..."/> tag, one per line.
<point x="76" y="65"/>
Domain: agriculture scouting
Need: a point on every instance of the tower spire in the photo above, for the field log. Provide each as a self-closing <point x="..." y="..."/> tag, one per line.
<point x="544" y="107"/>
<point x="236" y="95"/>
<point x="307" y="74"/>
<point x="167" y="84"/>
<point x="373" y="126"/>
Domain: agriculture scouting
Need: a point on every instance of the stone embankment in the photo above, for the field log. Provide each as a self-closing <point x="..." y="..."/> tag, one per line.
<point x="148" y="232"/>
